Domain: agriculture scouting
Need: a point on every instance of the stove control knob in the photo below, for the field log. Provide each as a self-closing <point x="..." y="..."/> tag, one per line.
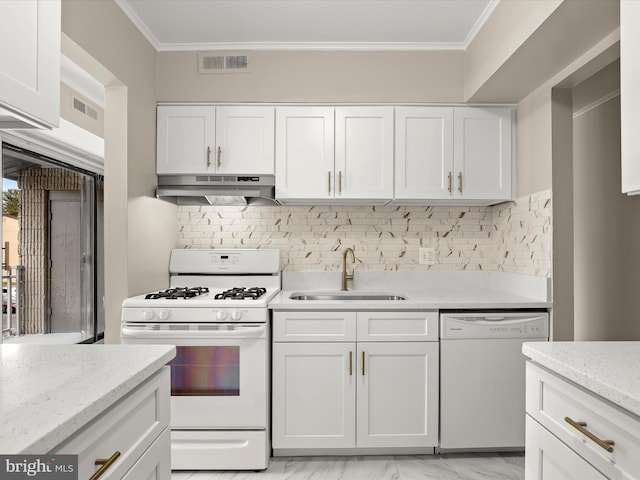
<point x="221" y="315"/>
<point x="147" y="314"/>
<point x="236" y="314"/>
<point x="163" y="314"/>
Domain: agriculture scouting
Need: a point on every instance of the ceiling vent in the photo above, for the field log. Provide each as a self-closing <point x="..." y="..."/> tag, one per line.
<point x="84" y="108"/>
<point x="215" y="62"/>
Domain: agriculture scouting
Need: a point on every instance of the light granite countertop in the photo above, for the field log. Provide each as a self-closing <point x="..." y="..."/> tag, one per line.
<point x="608" y="369"/>
<point x="422" y="290"/>
<point x="48" y="392"/>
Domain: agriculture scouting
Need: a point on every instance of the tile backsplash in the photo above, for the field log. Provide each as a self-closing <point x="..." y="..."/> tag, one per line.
<point x="512" y="237"/>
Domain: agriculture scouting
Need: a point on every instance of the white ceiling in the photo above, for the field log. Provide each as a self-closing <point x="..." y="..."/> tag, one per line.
<point x="308" y="24"/>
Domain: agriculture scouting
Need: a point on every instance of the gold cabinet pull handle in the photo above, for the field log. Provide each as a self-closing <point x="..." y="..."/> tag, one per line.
<point x="581" y="427"/>
<point x="340" y="181"/>
<point x="350" y="363"/>
<point x="208" y="157"/>
<point x="105" y="464"/>
<point x="449" y="182"/>
<point x="460" y="182"/>
<point x="363" y="363"/>
<point x="329" y="180"/>
<point x="219" y="159"/>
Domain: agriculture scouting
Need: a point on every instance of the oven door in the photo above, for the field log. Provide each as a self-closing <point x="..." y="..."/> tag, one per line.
<point x="219" y="375"/>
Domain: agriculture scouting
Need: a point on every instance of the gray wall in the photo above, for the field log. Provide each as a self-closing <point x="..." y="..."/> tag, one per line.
<point x="139" y="230"/>
<point x="324" y="76"/>
<point x="606" y="222"/>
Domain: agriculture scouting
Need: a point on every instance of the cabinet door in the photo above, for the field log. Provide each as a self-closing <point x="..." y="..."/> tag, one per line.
<point x="155" y="463"/>
<point x="245" y="140"/>
<point x="424" y="153"/>
<point x="304" y="153"/>
<point x="185" y="139"/>
<point x="629" y="77"/>
<point x="397" y="394"/>
<point x="313" y="395"/>
<point x="482" y="153"/>
<point x="547" y="458"/>
<point x="30" y="62"/>
<point x="364" y="153"/>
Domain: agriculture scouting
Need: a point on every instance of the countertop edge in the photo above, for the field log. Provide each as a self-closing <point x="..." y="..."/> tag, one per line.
<point x="49" y="441"/>
<point x="590" y="382"/>
<point x="282" y="302"/>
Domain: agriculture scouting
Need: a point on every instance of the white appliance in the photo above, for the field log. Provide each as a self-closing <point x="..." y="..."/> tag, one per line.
<point x="482" y="377"/>
<point x="215" y="313"/>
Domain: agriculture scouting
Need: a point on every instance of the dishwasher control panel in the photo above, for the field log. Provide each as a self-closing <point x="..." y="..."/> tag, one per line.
<point x="510" y="324"/>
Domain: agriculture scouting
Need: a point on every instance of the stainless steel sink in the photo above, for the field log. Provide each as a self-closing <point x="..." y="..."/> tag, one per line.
<point x="345" y="296"/>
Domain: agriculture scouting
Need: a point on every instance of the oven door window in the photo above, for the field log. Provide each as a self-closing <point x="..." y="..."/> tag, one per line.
<point x="212" y="371"/>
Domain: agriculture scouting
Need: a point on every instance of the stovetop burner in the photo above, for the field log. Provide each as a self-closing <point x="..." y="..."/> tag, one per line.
<point x="240" y="293"/>
<point x="178" y="292"/>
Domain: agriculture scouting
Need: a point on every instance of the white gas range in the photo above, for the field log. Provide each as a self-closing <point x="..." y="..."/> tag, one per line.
<point x="215" y="313"/>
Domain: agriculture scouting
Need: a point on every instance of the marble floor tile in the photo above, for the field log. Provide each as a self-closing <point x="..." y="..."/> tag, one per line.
<point x="390" y="467"/>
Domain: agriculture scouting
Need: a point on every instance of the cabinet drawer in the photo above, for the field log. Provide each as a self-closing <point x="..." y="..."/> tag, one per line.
<point x="314" y="327"/>
<point x="130" y="427"/>
<point x="551" y="399"/>
<point x="155" y="464"/>
<point x="548" y="458"/>
<point x="398" y="326"/>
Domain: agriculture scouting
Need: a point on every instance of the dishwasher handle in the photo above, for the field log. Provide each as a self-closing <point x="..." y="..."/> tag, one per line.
<point x="493" y="319"/>
<point x="494" y="325"/>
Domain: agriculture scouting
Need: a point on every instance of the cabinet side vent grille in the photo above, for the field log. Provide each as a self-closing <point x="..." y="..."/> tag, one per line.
<point x="222" y="63"/>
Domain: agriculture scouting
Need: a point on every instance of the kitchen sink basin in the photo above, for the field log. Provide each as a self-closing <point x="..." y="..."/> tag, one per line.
<point x="345" y="296"/>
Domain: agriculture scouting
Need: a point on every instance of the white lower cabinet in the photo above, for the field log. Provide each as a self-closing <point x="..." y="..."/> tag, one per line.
<point x="132" y="436"/>
<point x="549" y="458"/>
<point x="314" y="394"/>
<point x="333" y="391"/>
<point x="155" y="464"/>
<point x="397" y="394"/>
<point x="575" y="434"/>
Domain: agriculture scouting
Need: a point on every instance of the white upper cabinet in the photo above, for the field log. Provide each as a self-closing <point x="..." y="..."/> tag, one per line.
<point x="347" y="155"/>
<point x="350" y="161"/>
<point x="304" y="152"/>
<point x="424" y="153"/>
<point x="186" y="139"/>
<point x="630" y="95"/>
<point x="204" y="139"/>
<point x="245" y="138"/>
<point x="462" y="154"/>
<point x="29" y="63"/>
<point x="364" y="153"/>
<point x="482" y="153"/>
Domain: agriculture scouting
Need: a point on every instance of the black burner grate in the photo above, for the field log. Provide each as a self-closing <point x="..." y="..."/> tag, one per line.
<point x="241" y="293"/>
<point x="178" y="292"/>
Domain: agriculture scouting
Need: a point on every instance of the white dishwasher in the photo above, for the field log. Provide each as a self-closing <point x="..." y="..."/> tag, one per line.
<point x="482" y="377"/>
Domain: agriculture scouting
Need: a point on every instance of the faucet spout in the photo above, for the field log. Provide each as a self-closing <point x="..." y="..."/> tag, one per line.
<point x="347" y="276"/>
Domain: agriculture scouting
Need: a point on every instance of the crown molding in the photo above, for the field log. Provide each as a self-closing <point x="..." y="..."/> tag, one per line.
<point x="139" y="24"/>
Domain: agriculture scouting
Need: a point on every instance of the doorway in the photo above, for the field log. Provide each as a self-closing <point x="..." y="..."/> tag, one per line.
<point x="60" y="250"/>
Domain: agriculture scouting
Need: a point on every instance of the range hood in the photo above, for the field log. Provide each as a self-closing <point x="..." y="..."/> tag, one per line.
<point x="218" y="190"/>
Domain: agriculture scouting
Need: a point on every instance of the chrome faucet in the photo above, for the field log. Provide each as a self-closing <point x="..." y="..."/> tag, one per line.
<point x="346" y="276"/>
